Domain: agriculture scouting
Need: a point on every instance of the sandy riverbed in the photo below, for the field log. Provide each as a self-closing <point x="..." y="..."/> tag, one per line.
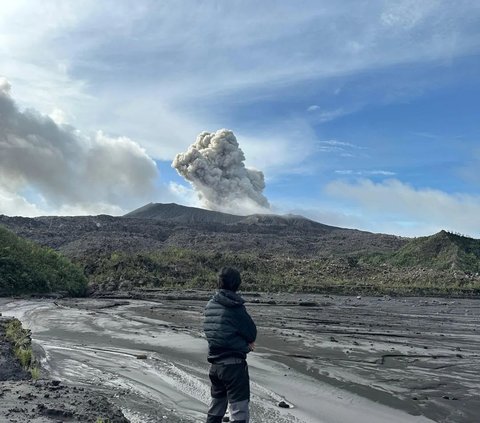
<point x="334" y="359"/>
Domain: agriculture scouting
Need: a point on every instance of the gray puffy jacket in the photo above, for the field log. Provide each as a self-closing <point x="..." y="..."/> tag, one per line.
<point x="228" y="327"/>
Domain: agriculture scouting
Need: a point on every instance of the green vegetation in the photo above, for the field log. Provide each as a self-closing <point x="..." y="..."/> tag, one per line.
<point x="182" y="268"/>
<point x="35" y="372"/>
<point x="22" y="346"/>
<point x="100" y="420"/>
<point x="29" y="268"/>
<point x="442" y="251"/>
<point x="442" y="264"/>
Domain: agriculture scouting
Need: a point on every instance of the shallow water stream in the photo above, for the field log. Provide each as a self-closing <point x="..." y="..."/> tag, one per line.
<point x="343" y="360"/>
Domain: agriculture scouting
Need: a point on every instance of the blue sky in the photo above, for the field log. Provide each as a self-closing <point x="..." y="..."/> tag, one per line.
<point x="360" y="114"/>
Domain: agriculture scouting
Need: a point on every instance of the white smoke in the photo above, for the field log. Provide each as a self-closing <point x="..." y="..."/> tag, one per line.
<point x="49" y="167"/>
<point x="214" y="165"/>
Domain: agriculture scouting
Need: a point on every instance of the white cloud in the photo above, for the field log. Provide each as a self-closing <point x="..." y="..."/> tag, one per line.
<point x="379" y="172"/>
<point x="405" y="15"/>
<point x="279" y="150"/>
<point x="34" y="54"/>
<point x="328" y="115"/>
<point x="65" y="171"/>
<point x="185" y="195"/>
<point x="365" y="172"/>
<point x="337" y="143"/>
<point x="323" y="116"/>
<point x="13" y="204"/>
<point x="86" y="209"/>
<point x="58" y="116"/>
<point x="160" y="128"/>
<point x="396" y="207"/>
<point x="156" y="67"/>
<point x="341" y="148"/>
<point x="318" y="211"/>
<point x="160" y="76"/>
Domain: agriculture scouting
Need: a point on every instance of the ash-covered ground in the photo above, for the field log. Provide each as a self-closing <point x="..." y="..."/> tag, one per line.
<point x="333" y="359"/>
<point x="24" y="399"/>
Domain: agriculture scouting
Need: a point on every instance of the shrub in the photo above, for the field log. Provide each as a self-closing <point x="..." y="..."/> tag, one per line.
<point x="26" y="267"/>
<point x="22" y="346"/>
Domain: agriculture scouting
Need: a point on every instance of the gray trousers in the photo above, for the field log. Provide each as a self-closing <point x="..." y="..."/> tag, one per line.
<point x="230" y="387"/>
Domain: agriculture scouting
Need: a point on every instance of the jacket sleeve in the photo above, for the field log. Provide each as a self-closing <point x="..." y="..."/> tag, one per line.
<point x="246" y="327"/>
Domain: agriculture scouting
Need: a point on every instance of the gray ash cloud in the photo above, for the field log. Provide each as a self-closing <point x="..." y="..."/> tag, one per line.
<point x="214" y="165"/>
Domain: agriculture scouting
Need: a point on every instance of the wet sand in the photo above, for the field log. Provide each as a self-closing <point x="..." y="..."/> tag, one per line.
<point x="334" y="359"/>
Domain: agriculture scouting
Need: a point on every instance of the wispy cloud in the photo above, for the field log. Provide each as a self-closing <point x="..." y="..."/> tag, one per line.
<point x="323" y="116"/>
<point x="340" y="144"/>
<point x="280" y="149"/>
<point x="174" y="61"/>
<point x="365" y="172"/>
<point x="341" y="148"/>
<point x="397" y="205"/>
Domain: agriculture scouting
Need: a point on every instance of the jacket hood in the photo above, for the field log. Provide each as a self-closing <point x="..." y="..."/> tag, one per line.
<point x="228" y="298"/>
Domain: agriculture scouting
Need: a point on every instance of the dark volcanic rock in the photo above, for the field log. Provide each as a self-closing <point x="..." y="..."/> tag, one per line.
<point x="170" y="225"/>
<point x="278" y="253"/>
<point x="182" y="214"/>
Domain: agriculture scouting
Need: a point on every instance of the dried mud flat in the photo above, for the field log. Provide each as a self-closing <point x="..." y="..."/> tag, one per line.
<point x="333" y="359"/>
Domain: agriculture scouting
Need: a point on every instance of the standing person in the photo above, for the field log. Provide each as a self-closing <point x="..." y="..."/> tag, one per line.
<point x="231" y="335"/>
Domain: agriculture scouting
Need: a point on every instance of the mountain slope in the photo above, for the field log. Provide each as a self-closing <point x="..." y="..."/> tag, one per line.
<point x="167" y="245"/>
<point x="179" y="214"/>
<point x="441" y="251"/>
<point x="28" y="268"/>
<point x="182" y="214"/>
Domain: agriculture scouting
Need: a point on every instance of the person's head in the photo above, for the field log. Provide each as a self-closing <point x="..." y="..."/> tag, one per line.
<point x="229" y="278"/>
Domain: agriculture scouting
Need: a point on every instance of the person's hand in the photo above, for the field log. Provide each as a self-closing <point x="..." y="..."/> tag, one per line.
<point x="251" y="346"/>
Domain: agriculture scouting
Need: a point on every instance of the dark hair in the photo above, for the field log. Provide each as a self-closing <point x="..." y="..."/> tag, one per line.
<point x="229" y="278"/>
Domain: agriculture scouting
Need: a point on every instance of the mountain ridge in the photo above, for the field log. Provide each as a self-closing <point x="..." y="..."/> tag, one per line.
<point x="186" y="214"/>
<point x="180" y="246"/>
<point x="443" y="250"/>
<point x="181" y="214"/>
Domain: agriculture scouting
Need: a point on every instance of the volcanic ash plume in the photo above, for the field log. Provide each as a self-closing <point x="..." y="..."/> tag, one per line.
<point x="214" y="165"/>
